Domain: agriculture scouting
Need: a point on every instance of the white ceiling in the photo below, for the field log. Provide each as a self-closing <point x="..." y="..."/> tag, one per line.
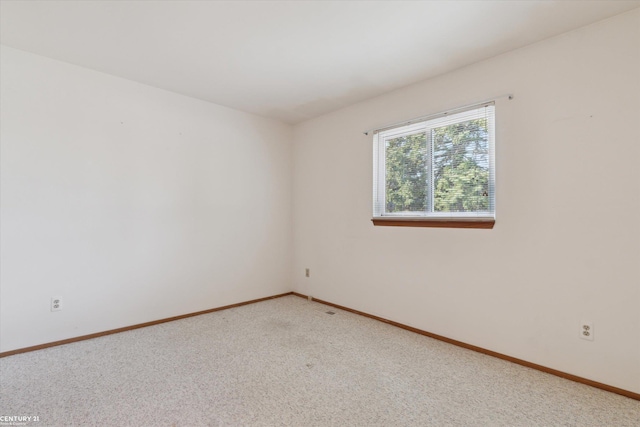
<point x="289" y="60"/>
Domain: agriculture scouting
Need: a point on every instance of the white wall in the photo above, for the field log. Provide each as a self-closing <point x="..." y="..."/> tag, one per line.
<point x="566" y="245"/>
<point x="135" y="204"/>
<point x="132" y="203"/>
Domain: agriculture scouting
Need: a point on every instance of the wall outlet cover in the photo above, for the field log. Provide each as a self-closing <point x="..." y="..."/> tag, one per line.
<point x="56" y="303"/>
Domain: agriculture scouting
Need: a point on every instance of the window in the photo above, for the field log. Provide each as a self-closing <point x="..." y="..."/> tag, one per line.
<point x="436" y="172"/>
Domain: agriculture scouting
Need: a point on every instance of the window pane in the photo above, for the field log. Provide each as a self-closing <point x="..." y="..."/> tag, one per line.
<point x="406" y="173"/>
<point x="461" y="167"/>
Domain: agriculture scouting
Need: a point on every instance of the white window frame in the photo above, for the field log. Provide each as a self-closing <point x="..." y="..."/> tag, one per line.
<point x="426" y="125"/>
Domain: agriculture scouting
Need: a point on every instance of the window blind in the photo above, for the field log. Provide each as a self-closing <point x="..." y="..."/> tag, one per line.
<point x="439" y="168"/>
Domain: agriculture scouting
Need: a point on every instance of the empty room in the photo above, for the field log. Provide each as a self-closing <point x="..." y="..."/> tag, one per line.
<point x="320" y="213"/>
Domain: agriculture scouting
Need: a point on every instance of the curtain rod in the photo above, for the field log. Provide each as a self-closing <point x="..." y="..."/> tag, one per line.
<point x="431" y="116"/>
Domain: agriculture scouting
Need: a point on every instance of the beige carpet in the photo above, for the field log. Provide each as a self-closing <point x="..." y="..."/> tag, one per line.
<point x="285" y="362"/>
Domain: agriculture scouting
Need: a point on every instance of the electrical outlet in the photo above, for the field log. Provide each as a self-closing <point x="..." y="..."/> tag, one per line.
<point x="56" y="303"/>
<point x="309" y="298"/>
<point x="307" y="272"/>
<point x="586" y="330"/>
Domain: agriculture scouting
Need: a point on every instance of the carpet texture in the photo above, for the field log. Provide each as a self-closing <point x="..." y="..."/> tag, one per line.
<point x="286" y="362"/>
